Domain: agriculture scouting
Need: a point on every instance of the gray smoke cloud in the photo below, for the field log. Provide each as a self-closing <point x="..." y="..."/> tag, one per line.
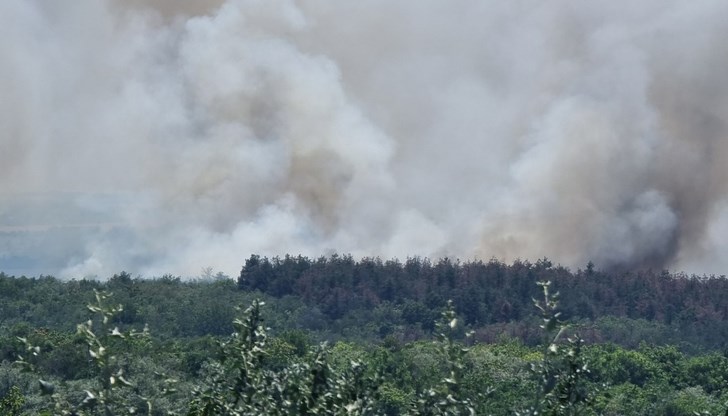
<point x="166" y="136"/>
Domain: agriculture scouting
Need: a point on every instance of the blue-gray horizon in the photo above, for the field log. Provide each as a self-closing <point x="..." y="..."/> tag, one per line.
<point x="168" y="136"/>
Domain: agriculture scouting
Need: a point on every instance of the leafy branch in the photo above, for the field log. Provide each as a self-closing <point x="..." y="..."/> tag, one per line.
<point x="561" y="374"/>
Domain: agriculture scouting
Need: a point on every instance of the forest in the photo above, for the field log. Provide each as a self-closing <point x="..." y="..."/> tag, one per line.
<point x="337" y="335"/>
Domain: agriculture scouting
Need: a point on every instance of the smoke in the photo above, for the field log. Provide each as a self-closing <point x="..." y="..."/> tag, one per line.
<point x="167" y="136"/>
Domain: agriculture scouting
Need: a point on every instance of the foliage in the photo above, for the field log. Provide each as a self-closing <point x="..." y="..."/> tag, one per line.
<point x="371" y="299"/>
<point x="12" y="403"/>
<point x="666" y="307"/>
<point x="561" y="374"/>
<point x="484" y="355"/>
<point x="106" y="347"/>
<point x="241" y="384"/>
<point x="447" y="397"/>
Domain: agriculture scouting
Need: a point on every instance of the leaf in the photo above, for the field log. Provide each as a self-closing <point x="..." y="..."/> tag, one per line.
<point x="90" y="399"/>
<point x="46" y="388"/>
<point x="125" y="381"/>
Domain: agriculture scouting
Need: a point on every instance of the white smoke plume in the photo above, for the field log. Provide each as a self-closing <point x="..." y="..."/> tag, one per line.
<point x="164" y="136"/>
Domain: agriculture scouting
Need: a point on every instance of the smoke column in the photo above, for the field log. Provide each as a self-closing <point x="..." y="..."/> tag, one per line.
<point x="166" y="136"/>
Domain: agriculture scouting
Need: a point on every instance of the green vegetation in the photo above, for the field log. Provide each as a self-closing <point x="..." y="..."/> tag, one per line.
<point x="337" y="337"/>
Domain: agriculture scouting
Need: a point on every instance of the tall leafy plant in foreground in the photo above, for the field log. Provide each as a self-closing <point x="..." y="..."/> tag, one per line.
<point x="111" y="393"/>
<point x="447" y="397"/>
<point x="241" y="384"/>
<point x="561" y="375"/>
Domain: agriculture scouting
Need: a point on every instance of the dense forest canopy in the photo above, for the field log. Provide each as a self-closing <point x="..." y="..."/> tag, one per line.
<point x="488" y="293"/>
<point x="403" y="297"/>
<point x="417" y="331"/>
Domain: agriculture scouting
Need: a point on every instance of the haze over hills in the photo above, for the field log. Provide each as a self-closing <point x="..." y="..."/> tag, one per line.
<point x="167" y="136"/>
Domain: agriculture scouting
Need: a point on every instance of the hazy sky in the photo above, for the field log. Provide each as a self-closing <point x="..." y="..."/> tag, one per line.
<point x="166" y="136"/>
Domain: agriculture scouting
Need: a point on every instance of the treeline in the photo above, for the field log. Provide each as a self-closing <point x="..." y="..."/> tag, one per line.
<point x="496" y="295"/>
<point x="368" y="300"/>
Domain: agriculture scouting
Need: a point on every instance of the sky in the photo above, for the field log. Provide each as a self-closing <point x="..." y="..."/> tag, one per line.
<point x="173" y="136"/>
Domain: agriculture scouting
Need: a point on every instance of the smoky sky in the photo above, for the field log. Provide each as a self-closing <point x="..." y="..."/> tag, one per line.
<point x="169" y="136"/>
